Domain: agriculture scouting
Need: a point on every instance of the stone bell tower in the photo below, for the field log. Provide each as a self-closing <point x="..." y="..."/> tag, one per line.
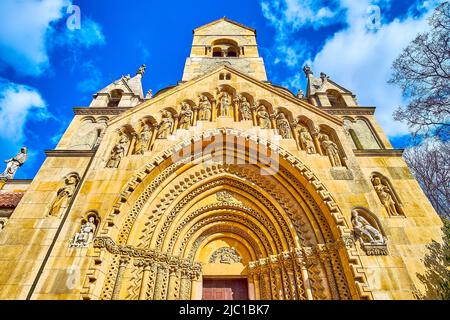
<point x="224" y="42"/>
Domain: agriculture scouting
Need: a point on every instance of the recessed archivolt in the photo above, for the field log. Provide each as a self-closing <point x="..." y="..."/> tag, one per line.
<point x="269" y="215"/>
<point x="159" y="174"/>
<point x="213" y="210"/>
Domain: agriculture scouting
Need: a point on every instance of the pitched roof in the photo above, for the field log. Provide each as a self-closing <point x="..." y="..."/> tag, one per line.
<point x="227" y="20"/>
<point x="10" y="199"/>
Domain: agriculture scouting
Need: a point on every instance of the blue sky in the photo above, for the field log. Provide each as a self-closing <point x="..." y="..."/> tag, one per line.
<point x="46" y="68"/>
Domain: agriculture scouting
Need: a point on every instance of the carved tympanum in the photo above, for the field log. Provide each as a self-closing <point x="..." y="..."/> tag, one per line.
<point x="225" y="255"/>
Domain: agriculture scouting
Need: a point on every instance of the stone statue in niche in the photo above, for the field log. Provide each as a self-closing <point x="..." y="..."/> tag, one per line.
<point x="166" y="125"/>
<point x="331" y="150"/>
<point x="118" y="152"/>
<point x="225" y="255"/>
<point x="283" y="126"/>
<point x="186" y="115"/>
<point x="225" y="105"/>
<point x="204" y="113"/>
<point x="306" y="140"/>
<point x="144" y="138"/>
<point x="363" y="229"/>
<point x="263" y="118"/>
<point x="13" y="164"/>
<point x="385" y="194"/>
<point x="64" y="194"/>
<point x="245" y="109"/>
<point x="86" y="234"/>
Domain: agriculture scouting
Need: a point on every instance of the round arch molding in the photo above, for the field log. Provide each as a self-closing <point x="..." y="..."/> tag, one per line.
<point x="284" y="230"/>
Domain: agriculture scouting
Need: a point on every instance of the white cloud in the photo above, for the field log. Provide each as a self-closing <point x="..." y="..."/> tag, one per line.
<point x="18" y="103"/>
<point x="360" y="59"/>
<point x="27" y="33"/>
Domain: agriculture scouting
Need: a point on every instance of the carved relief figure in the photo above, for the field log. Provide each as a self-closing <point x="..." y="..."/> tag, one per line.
<point x="225" y="256"/>
<point x="283" y="126"/>
<point x="385" y="195"/>
<point x="204" y="113"/>
<point x="306" y="140"/>
<point x="332" y="151"/>
<point x="263" y="118"/>
<point x="186" y="115"/>
<point x="64" y="194"/>
<point x="166" y="125"/>
<point x="13" y="164"/>
<point x="246" y="112"/>
<point x="117" y="152"/>
<point x="145" y="138"/>
<point x="84" y="237"/>
<point x="225" y="105"/>
<point x="363" y="229"/>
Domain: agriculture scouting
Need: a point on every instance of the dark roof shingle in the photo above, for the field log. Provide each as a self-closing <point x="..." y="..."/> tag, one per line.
<point x="10" y="199"/>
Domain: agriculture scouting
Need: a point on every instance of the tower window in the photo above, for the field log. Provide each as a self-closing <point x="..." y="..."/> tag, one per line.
<point x="217" y="52"/>
<point x="114" y="98"/>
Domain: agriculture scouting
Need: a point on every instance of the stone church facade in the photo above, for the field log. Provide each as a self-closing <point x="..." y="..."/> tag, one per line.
<point x="222" y="186"/>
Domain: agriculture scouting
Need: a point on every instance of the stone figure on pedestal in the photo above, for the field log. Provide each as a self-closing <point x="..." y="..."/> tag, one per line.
<point x="283" y="126"/>
<point x="365" y="230"/>
<point x="332" y="151"/>
<point x="204" y="109"/>
<point x="225" y="105"/>
<point x="306" y="140"/>
<point x="64" y="194"/>
<point x="245" y="109"/>
<point x="13" y="164"/>
<point x="385" y="195"/>
<point x="186" y="115"/>
<point x="263" y="118"/>
<point x="145" y="138"/>
<point x="166" y="125"/>
<point x="117" y="153"/>
<point x="83" y="238"/>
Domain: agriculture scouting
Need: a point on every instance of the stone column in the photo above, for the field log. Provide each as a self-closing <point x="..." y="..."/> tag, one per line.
<point x="254" y="274"/>
<point x="273" y="122"/>
<point x="123" y="262"/>
<point x="162" y="279"/>
<point x="236" y="103"/>
<point x="174" y="282"/>
<point x="254" y="118"/>
<point x="147" y="266"/>
<point x="301" y="263"/>
<point x="175" y="124"/>
<point x="154" y="134"/>
<point x="288" y="269"/>
<point x="214" y="110"/>
<point x="315" y="135"/>
<point x="185" y="285"/>
<point x="132" y="144"/>
<point x="195" y="116"/>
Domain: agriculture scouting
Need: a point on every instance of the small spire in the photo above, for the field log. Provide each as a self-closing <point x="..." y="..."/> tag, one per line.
<point x="149" y="94"/>
<point x="141" y="70"/>
<point x="307" y="70"/>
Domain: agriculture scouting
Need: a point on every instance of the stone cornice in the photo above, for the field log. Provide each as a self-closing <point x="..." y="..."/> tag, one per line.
<point x="379" y="153"/>
<point x="351" y="111"/>
<point x="70" y="153"/>
<point x="99" y="111"/>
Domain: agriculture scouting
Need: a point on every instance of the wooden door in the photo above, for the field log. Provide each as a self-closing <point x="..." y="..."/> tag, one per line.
<point x="225" y="289"/>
